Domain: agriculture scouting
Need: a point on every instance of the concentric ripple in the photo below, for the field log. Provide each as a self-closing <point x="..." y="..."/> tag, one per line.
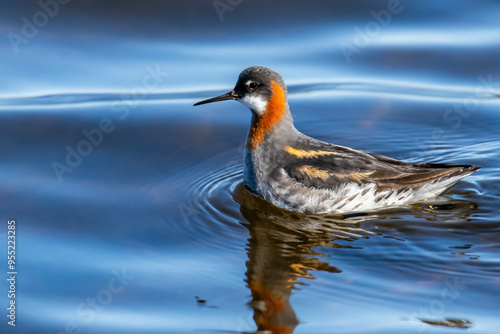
<point x="209" y="212"/>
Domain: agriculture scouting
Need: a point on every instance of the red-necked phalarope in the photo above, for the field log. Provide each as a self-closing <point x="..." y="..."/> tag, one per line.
<point x="299" y="173"/>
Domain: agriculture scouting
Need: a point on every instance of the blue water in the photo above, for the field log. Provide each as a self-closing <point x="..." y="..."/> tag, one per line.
<point x="150" y="230"/>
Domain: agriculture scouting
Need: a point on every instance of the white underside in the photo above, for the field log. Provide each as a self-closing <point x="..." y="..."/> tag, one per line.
<point x="351" y="197"/>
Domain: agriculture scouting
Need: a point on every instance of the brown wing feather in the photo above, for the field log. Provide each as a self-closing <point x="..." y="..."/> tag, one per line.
<point x="345" y="166"/>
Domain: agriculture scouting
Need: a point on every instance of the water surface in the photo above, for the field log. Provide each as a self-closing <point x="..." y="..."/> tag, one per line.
<point x="151" y="229"/>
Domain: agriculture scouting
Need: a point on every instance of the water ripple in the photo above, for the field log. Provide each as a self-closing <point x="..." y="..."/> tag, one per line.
<point x="208" y="208"/>
<point x="381" y="87"/>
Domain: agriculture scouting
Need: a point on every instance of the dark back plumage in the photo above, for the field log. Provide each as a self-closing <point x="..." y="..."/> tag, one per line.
<point x="324" y="165"/>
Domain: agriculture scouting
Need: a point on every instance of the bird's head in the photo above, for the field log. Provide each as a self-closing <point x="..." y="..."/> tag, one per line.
<point x="259" y="88"/>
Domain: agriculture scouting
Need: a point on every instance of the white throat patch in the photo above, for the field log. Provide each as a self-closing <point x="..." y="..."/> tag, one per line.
<point x="256" y="103"/>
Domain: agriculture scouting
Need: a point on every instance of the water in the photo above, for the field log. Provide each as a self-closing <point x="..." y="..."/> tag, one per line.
<point x="151" y="230"/>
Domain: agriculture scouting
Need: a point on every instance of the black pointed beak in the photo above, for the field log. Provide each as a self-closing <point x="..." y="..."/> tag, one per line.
<point x="228" y="96"/>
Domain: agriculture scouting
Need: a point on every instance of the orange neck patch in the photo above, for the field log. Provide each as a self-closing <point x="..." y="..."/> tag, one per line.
<point x="274" y="111"/>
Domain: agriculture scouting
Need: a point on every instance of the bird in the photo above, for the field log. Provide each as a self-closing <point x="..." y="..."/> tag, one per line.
<point x="298" y="173"/>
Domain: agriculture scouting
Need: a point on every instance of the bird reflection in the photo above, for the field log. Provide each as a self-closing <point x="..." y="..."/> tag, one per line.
<point x="281" y="252"/>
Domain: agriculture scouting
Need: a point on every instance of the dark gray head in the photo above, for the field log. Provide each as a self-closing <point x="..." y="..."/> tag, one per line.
<point x="255" y="88"/>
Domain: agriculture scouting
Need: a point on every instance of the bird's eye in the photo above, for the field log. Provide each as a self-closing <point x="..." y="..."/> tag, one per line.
<point x="252" y="85"/>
